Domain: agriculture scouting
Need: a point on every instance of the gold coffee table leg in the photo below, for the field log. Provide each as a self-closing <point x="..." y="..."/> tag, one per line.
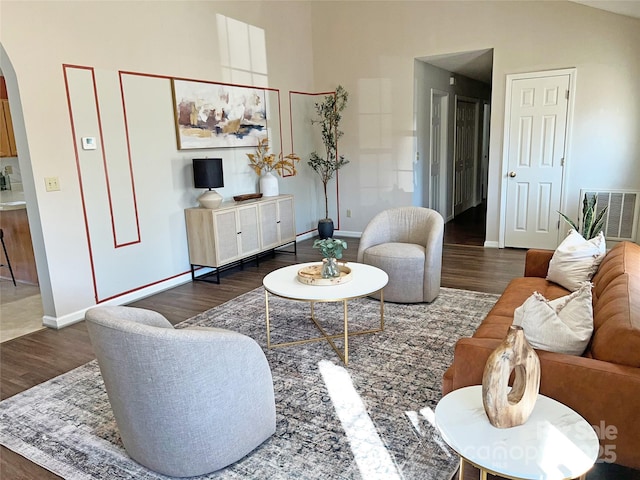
<point x="266" y="303"/>
<point x="382" y="309"/>
<point x="346" y="333"/>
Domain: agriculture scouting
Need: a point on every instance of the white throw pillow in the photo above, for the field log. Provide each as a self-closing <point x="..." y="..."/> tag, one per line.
<point x="576" y="260"/>
<point x="563" y="325"/>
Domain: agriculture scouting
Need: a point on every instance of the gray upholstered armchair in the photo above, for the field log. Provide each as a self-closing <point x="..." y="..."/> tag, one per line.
<point x="406" y="243"/>
<point x="186" y="401"/>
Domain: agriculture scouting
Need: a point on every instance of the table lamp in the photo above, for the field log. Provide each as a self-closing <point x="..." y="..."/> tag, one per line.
<point x="207" y="173"/>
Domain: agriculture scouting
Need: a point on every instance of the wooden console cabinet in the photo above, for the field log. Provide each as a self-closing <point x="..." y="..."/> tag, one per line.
<point x="238" y="230"/>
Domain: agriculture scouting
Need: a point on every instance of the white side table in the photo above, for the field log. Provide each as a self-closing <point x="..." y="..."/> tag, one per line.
<point x="284" y="283"/>
<point x="554" y="443"/>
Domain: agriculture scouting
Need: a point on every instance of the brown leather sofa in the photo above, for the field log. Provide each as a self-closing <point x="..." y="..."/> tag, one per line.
<point x="602" y="385"/>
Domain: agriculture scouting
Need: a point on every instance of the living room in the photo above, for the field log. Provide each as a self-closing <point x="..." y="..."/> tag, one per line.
<point x="368" y="47"/>
<point x="599" y="44"/>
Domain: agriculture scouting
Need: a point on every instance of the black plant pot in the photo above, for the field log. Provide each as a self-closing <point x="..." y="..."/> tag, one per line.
<point x="325" y="228"/>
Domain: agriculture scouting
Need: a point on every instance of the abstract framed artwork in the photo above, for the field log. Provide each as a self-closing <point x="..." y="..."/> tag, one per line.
<point x="217" y="115"/>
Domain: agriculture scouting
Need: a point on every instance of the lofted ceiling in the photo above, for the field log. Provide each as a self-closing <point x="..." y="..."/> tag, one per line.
<point x="478" y="64"/>
<point x="630" y="8"/>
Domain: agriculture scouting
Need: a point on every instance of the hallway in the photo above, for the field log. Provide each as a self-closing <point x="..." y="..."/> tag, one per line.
<point x="468" y="228"/>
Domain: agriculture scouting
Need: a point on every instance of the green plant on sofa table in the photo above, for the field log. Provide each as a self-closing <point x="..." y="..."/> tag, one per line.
<point x="592" y="223"/>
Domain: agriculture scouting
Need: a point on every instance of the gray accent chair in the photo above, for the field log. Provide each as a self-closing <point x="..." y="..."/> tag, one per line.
<point x="186" y="401"/>
<point x="406" y="243"/>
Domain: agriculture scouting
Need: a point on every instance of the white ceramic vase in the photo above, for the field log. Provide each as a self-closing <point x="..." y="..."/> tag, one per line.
<point x="269" y="185"/>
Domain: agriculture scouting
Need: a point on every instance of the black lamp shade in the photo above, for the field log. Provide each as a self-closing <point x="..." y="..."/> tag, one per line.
<point x="207" y="173"/>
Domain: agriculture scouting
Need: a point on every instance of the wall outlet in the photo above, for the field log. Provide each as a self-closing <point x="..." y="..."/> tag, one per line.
<point x="348" y="213"/>
<point x="8" y="169"/>
<point x="52" y="184"/>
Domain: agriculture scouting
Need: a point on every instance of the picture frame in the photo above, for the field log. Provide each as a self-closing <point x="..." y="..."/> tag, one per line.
<point x="218" y="115"/>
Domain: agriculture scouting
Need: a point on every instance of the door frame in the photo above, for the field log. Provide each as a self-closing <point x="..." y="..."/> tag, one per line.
<point x="484" y="152"/>
<point x="510" y="78"/>
<point x="442" y="97"/>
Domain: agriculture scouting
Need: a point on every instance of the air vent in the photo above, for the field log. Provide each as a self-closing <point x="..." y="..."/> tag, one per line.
<point x="622" y="217"/>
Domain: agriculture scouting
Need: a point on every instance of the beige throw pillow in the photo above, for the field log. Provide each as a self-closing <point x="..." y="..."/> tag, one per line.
<point x="563" y="325"/>
<point x="576" y="260"/>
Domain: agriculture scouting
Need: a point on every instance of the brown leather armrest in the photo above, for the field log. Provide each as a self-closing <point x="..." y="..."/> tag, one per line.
<point x="537" y="263"/>
<point x="470" y="357"/>
<point x="605" y="394"/>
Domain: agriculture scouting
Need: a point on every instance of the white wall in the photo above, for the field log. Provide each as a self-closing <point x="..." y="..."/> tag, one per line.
<point x="368" y="47"/>
<point x="378" y="41"/>
<point x="80" y="262"/>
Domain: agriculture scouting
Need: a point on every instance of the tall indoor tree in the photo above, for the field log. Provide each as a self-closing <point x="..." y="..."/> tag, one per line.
<point x="329" y="113"/>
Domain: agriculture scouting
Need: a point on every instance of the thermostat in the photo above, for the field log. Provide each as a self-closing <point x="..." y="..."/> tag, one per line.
<point x="88" y="143"/>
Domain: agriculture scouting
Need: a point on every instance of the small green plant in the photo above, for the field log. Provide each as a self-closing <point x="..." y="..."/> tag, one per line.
<point x="330" y="247"/>
<point x="592" y="223"/>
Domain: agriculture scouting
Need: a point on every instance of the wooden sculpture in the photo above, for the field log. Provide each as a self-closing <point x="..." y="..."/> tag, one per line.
<point x="509" y="408"/>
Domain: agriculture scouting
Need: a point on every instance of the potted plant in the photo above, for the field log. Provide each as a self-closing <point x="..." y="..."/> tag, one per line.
<point x="331" y="250"/>
<point x="329" y="115"/>
<point x="592" y="224"/>
<point x="264" y="163"/>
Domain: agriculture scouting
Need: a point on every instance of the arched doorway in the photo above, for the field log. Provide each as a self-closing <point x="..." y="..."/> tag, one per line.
<point x="23" y="306"/>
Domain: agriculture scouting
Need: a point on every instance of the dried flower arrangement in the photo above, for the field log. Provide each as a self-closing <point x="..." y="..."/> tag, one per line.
<point x="262" y="160"/>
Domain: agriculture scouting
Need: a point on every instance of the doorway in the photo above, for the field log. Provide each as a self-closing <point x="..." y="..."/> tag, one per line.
<point x="456" y="87"/>
<point x="438" y="151"/>
<point x="21" y="306"/>
<point x="465" y="162"/>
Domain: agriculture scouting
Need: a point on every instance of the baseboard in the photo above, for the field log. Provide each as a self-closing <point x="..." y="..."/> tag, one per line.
<point x="336" y="233"/>
<point x="78" y="316"/>
<point x="491" y="244"/>
<point x="306" y="236"/>
<point x="348" y="234"/>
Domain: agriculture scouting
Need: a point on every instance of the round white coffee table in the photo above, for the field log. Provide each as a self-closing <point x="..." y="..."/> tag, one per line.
<point x="365" y="280"/>
<point x="554" y="443"/>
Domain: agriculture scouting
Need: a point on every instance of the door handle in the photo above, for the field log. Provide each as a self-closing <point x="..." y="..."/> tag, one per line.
<point x="512" y="174"/>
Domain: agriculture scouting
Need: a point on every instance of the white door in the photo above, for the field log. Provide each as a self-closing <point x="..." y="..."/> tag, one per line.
<point x="535" y="142"/>
<point x="466" y="150"/>
<point x="438" y="152"/>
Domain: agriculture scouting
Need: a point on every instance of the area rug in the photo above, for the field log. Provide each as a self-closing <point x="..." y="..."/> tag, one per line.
<point x="370" y="420"/>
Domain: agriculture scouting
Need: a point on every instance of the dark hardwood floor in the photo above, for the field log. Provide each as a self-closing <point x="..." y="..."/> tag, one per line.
<point x="468" y="228"/>
<point x="34" y="358"/>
